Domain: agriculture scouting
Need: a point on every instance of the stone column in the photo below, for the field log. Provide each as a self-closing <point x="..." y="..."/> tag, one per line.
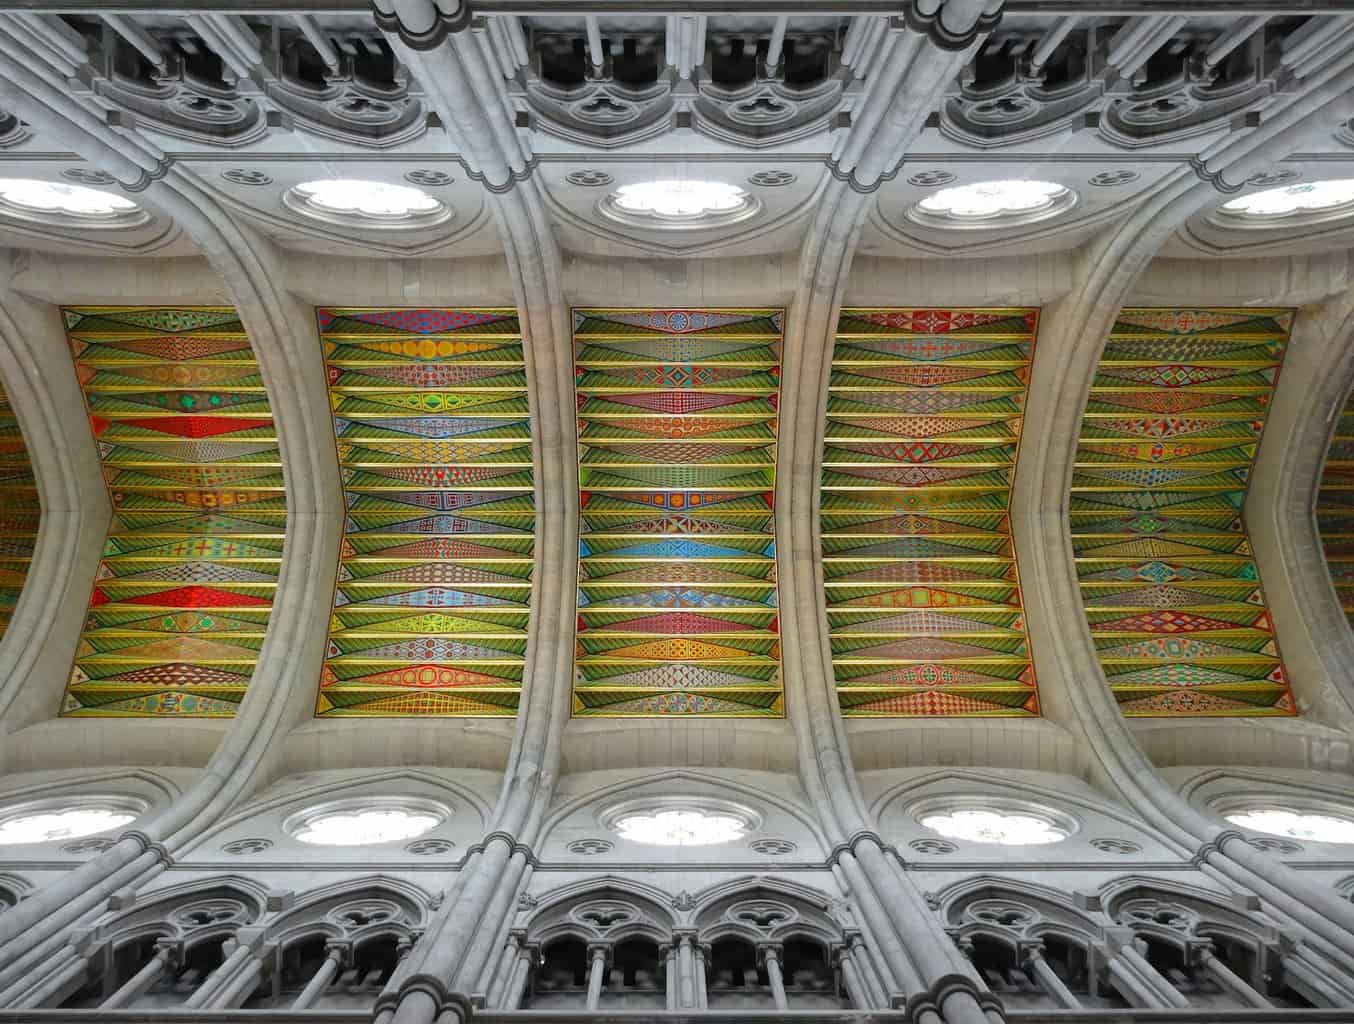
<point x="1133" y="977"/>
<point x="1169" y="993"/>
<point x="855" y="987"/>
<point x="1224" y="976"/>
<point x="1048" y="980"/>
<point x="1315" y="980"/>
<point x="238" y="989"/>
<point x="527" y="957"/>
<point x="140" y="982"/>
<point x="66" y="977"/>
<point x="507" y="964"/>
<point x="875" y="996"/>
<point x="686" y="971"/>
<point x="670" y="984"/>
<point x="965" y="946"/>
<point x="701" y="978"/>
<point x="319" y="981"/>
<point x="1138" y="993"/>
<point x="598" y="956"/>
<point x="769" y="953"/>
<point x="237" y="953"/>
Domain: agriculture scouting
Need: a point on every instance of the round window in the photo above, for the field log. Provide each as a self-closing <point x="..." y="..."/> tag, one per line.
<point x="365" y="822"/>
<point x="1317" y="826"/>
<point x="370" y="204"/>
<point x="680" y="822"/>
<point x="47" y="821"/>
<point x="993" y="204"/>
<point x="1304" y="202"/>
<point x="679" y="203"/>
<point x="1002" y="822"/>
<point x="62" y="204"/>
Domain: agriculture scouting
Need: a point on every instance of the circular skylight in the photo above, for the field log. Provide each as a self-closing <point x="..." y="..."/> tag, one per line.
<point x="680" y="828"/>
<point x="45" y="825"/>
<point x="365" y="827"/>
<point x="375" y="204"/>
<point x="679" y="203"/>
<point x="366" y="821"/>
<point x="983" y="825"/>
<point x="1320" y="828"/>
<point x="1302" y="201"/>
<point x="57" y="202"/>
<point x="987" y="204"/>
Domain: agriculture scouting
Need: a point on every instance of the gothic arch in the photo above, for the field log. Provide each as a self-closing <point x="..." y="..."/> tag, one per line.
<point x="226" y="903"/>
<point x="749" y="793"/>
<point x="463" y="797"/>
<point x="355" y="911"/>
<point x="1014" y="786"/>
<point x="1178" y="914"/>
<point x="606" y="909"/>
<point x="766" y="909"/>
<point x="1010" y="911"/>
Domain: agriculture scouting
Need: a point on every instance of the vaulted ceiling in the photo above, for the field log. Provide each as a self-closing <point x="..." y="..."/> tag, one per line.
<point x="544" y="431"/>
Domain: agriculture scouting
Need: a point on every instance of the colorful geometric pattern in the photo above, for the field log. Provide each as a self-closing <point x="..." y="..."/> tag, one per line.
<point x="185" y="587"/>
<point x="924" y="413"/>
<point x="19" y="512"/>
<point x="1335" y="509"/>
<point x="1171" y="590"/>
<point x="677" y="471"/>
<point x="434" y="442"/>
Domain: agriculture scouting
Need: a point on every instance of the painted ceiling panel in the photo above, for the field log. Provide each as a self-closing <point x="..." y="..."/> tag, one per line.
<point x="924" y="415"/>
<point x="19" y="512"/>
<point x="1171" y="590"/>
<point x="1335" y="509"/>
<point x="189" y="452"/>
<point x="433" y="597"/>
<point x="677" y="422"/>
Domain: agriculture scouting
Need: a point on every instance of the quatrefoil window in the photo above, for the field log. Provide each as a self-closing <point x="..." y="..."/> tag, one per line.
<point x="762" y="918"/>
<point x="604" y="917"/>
<point x="360" y="919"/>
<point x="762" y="109"/>
<point x="1006" y="108"/>
<point x="209" y="914"/>
<point x="604" y="108"/>
<point x="763" y="915"/>
<point x="1010" y="918"/>
<point x="1163" y="915"/>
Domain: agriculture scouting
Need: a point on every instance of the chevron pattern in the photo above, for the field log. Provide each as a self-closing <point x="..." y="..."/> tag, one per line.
<point x="1335" y="509"/>
<point x="190" y="456"/>
<point x="434" y="582"/>
<point x="1163" y="462"/>
<point x="924" y="414"/>
<point x="677" y="418"/>
<point x="19" y="512"/>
